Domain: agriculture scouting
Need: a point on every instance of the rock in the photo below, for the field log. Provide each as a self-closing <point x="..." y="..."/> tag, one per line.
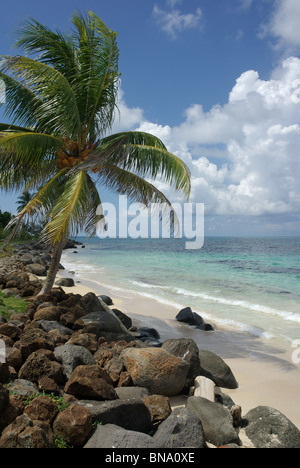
<point x="33" y="339"/>
<point x="66" y="282"/>
<point x="48" y="386"/>
<point x="108" y="300"/>
<point x="42" y="408"/>
<point x="90" y="382"/>
<point x="186" y="315"/>
<point x="204" y="388"/>
<point x="86" y="340"/>
<point x="51" y="313"/>
<point x="127" y="322"/>
<point x="22" y="388"/>
<point x="181" y="429"/>
<point x="37" y="269"/>
<point x="4" y="372"/>
<point x="107" y="322"/>
<point x="156" y="369"/>
<point x="187" y="350"/>
<point x="216" y="420"/>
<point x="10" y="330"/>
<point x="13" y="409"/>
<point x="71" y="356"/>
<point x="159" y="408"/>
<point x="213" y="367"/>
<point x="110" y="435"/>
<point x="25" y="433"/>
<point x="74" y="425"/>
<point x="49" y="325"/>
<point x="129" y="393"/>
<point x="38" y="365"/>
<point x="268" y="428"/>
<point x="133" y="414"/>
<point x="4" y="397"/>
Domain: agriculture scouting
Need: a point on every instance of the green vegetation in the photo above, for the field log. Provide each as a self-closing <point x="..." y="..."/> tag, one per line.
<point x="8" y="305"/>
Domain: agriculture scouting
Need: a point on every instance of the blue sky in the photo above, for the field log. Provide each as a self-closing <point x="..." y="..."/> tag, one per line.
<point x="219" y="82"/>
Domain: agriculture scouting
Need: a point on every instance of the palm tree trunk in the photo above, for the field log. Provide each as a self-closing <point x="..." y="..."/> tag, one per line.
<point x="53" y="268"/>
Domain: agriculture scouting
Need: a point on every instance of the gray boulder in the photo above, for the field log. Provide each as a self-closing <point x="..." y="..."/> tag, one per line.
<point x="216" y="420"/>
<point x="187" y="350"/>
<point x="214" y="368"/>
<point x="112" y="436"/>
<point x="106" y="321"/>
<point x="37" y="269"/>
<point x="66" y="282"/>
<point x="181" y="429"/>
<point x="130" y="414"/>
<point x="268" y="428"/>
<point x="72" y="356"/>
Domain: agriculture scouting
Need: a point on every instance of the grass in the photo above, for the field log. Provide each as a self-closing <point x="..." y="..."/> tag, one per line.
<point x="9" y="305"/>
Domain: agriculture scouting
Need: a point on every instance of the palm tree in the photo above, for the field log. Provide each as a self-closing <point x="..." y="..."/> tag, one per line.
<point x="62" y="106"/>
<point x="24" y="199"/>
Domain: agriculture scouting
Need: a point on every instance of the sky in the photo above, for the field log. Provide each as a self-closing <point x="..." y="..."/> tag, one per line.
<point x="219" y="82"/>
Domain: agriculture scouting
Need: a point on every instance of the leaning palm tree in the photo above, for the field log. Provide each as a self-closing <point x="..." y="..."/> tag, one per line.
<point x="61" y="105"/>
<point x="23" y="200"/>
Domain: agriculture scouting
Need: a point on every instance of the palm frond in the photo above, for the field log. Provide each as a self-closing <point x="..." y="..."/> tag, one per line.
<point x="21" y="103"/>
<point x="75" y="210"/>
<point x="57" y="111"/>
<point x="137" y="190"/>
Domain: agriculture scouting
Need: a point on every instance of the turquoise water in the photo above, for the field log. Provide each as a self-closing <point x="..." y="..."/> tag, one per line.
<point x="246" y="284"/>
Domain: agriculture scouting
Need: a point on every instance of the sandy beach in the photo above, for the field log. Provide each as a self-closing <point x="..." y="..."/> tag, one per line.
<point x="263" y="368"/>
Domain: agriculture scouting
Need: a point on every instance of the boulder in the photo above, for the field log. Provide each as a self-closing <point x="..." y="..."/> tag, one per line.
<point x="4" y="397"/>
<point x="37" y="269"/>
<point x="268" y="428"/>
<point x="216" y="420"/>
<point x="37" y="366"/>
<point x="181" y="429"/>
<point x="25" y="433"/>
<point x="71" y="356"/>
<point x="214" y="368"/>
<point x="106" y="322"/>
<point x="86" y="340"/>
<point x="90" y="382"/>
<point x="13" y="409"/>
<point x="159" y="408"/>
<point x="66" y="282"/>
<point x="187" y="350"/>
<point x="129" y="393"/>
<point x="129" y="414"/>
<point x="74" y="425"/>
<point x="42" y="408"/>
<point x="51" y="313"/>
<point x="156" y="369"/>
<point x="110" y="435"/>
<point x="22" y="388"/>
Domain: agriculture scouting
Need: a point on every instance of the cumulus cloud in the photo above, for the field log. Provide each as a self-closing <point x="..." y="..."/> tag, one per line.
<point x="244" y="155"/>
<point x="284" y="24"/>
<point x="173" y="21"/>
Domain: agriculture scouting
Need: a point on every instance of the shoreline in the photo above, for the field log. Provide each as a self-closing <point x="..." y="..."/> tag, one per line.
<point x="263" y="367"/>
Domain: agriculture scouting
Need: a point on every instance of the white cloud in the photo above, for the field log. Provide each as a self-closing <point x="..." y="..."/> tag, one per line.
<point x="174" y="21"/>
<point x="284" y="24"/>
<point x="244" y="155"/>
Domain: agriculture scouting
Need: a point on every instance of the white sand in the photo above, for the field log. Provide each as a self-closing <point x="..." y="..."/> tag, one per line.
<point x="263" y="368"/>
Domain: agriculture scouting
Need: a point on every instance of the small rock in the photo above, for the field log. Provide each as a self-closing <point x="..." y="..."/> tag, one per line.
<point x="74" y="425"/>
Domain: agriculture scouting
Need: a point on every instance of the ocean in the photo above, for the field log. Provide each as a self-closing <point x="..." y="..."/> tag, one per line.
<point x="242" y="284"/>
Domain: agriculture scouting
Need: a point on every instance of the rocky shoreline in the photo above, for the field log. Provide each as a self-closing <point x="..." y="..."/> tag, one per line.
<point x="78" y="374"/>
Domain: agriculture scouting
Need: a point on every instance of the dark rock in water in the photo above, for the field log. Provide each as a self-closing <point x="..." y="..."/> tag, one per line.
<point x="268" y="428"/>
<point x="205" y="327"/>
<point x="186" y="315"/>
